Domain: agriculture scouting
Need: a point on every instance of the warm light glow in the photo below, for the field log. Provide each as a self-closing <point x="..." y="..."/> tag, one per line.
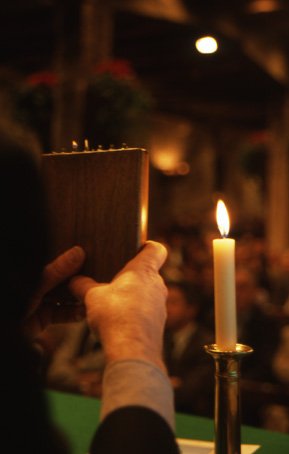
<point x="206" y="45"/>
<point x="264" y="6"/>
<point x="223" y="220"/>
<point x="144" y="221"/>
<point x="74" y="145"/>
<point x="86" y="145"/>
<point x="166" y="159"/>
<point x="170" y="140"/>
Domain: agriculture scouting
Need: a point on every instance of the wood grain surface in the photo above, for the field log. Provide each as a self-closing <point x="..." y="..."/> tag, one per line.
<point x="98" y="199"/>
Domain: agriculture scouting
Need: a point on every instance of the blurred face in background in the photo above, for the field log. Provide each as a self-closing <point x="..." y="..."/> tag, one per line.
<point x="180" y="312"/>
<point x="246" y="289"/>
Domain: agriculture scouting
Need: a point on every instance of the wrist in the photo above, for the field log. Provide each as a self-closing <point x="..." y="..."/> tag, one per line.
<point x="129" y="350"/>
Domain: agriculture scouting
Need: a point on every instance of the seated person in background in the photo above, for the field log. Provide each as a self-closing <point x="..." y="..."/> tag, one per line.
<point x="260" y="331"/>
<point x="137" y="406"/>
<point x="281" y="357"/>
<point x="190" y="368"/>
<point x="74" y="358"/>
<point x="276" y="416"/>
<point x="256" y="327"/>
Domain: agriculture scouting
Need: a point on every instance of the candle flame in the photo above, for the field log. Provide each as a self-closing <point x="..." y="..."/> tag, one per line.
<point x="223" y="220"/>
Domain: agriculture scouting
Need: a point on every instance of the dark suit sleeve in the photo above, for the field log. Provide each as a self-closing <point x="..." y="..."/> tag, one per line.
<point x="131" y="430"/>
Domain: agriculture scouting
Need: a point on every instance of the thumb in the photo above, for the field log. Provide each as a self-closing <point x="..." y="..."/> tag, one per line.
<point x="151" y="257"/>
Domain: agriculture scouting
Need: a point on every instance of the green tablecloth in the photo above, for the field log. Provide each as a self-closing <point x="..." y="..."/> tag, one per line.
<point x="77" y="416"/>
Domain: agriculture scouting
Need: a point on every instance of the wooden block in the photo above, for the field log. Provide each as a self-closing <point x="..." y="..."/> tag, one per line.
<point x="98" y="200"/>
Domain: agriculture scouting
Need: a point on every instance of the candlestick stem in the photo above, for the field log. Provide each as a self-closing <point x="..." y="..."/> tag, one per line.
<point x="227" y="397"/>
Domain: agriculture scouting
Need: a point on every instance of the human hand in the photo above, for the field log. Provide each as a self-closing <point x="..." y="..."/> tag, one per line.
<point x="41" y="313"/>
<point x="90" y="383"/>
<point x="130" y="312"/>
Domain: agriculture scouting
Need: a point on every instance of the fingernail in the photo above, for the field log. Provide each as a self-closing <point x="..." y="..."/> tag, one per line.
<point x="76" y="254"/>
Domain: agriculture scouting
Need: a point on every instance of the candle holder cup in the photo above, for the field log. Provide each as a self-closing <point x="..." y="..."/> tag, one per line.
<point x="227" y="397"/>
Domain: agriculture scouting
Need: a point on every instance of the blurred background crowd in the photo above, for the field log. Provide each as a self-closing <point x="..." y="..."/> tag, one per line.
<point x="75" y="361"/>
<point x="262" y="313"/>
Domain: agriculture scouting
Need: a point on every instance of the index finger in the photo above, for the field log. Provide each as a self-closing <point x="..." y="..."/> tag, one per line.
<point x="80" y="285"/>
<point x="62" y="267"/>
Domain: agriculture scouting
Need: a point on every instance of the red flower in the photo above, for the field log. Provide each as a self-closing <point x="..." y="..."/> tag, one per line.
<point x="121" y="69"/>
<point x="259" y="137"/>
<point x="42" y="78"/>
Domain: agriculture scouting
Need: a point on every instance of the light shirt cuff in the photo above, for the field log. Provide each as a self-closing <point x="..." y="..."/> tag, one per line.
<point x="133" y="382"/>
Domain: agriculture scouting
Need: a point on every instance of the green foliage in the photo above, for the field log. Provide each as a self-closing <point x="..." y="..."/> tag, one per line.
<point x="117" y="107"/>
<point x="253" y="159"/>
<point x="117" y="110"/>
<point x="34" y="108"/>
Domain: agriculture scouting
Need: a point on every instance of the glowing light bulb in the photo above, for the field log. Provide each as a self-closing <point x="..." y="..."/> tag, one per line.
<point x="206" y="45"/>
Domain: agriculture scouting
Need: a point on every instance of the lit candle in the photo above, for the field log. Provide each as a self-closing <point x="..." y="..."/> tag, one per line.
<point x="224" y="283"/>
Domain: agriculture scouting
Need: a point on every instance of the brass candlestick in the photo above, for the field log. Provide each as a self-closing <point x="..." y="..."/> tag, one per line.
<point x="227" y="397"/>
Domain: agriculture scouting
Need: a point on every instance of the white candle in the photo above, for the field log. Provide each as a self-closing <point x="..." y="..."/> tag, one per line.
<point x="224" y="283"/>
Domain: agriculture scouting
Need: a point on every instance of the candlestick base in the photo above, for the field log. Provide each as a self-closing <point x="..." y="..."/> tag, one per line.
<point x="227" y="397"/>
